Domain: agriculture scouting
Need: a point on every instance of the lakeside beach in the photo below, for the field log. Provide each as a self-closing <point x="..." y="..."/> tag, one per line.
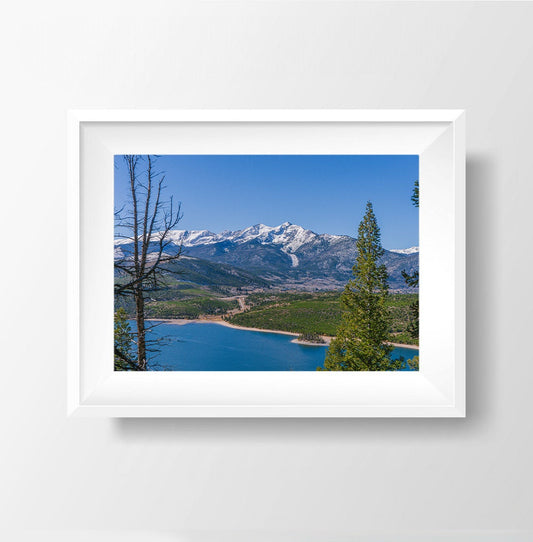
<point x="217" y="320"/>
<point x="183" y="321"/>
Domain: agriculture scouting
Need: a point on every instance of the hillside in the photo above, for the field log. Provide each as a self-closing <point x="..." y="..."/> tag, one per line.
<point x="286" y="256"/>
<point x="315" y="313"/>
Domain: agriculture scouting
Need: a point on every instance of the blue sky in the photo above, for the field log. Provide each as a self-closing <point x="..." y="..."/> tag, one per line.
<point x="323" y="193"/>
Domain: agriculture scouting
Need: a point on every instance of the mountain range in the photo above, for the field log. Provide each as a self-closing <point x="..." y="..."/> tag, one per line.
<point x="287" y="256"/>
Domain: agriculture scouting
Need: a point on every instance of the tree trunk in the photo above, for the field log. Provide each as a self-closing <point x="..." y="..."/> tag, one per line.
<point x="149" y="220"/>
<point x="141" y="331"/>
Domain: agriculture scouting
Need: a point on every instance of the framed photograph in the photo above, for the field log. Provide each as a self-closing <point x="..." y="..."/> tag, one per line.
<point x="266" y="263"/>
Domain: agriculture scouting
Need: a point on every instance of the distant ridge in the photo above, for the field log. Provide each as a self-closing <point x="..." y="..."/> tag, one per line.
<point x="287" y="235"/>
<point x="411" y="250"/>
<point x="287" y="255"/>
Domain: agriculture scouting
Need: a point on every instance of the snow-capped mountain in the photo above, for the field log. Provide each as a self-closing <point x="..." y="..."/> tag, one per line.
<point x="287" y="254"/>
<point x="410" y="250"/>
<point x="289" y="237"/>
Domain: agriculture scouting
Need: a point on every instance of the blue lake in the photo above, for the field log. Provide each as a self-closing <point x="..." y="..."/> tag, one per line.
<point x="213" y="347"/>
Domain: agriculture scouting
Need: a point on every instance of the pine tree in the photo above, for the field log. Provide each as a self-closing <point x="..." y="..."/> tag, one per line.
<point x="361" y="341"/>
<point x="414" y="363"/>
<point x="416" y="194"/>
<point x="123" y="342"/>
<point x="413" y="280"/>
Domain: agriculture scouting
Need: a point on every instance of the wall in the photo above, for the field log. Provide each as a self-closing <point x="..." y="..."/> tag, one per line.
<point x="169" y="479"/>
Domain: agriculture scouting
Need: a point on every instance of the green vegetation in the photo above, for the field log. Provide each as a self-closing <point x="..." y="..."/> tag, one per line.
<point x="190" y="308"/>
<point x="404" y="338"/>
<point x="123" y="341"/>
<point x="298" y="312"/>
<point x="415" y="198"/>
<point x="318" y="313"/>
<point x="413" y="363"/>
<point x="311" y="338"/>
<point x="218" y="277"/>
<point x="413" y="281"/>
<point x="401" y="312"/>
<point x="181" y="300"/>
<point x="360" y="342"/>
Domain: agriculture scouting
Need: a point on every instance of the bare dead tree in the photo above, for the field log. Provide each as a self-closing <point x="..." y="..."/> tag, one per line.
<point x="143" y="226"/>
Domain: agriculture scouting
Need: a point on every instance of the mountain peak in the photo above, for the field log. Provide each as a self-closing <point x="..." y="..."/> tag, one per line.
<point x="288" y="254"/>
<point x="410" y="250"/>
<point x="288" y="236"/>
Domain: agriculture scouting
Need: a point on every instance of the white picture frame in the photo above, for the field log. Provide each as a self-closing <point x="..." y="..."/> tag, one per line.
<point x="436" y="390"/>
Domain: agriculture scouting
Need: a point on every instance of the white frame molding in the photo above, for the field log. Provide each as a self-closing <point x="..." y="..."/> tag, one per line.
<point x="437" y="390"/>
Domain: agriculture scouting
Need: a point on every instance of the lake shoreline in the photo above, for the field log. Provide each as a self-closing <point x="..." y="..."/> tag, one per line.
<point x="401" y="345"/>
<point x="327" y="339"/>
<point x="184" y="321"/>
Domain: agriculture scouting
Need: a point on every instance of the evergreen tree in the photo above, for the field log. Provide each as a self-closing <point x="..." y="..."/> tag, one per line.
<point x="361" y="341"/>
<point x="416" y="194"/>
<point x="412" y="281"/>
<point x="414" y="309"/>
<point x="123" y="342"/>
<point x="413" y="363"/>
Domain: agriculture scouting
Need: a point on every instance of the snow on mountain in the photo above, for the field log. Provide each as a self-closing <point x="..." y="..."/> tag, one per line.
<point x="179" y="237"/>
<point x="289" y="236"/>
<point x="294" y="259"/>
<point x="190" y="238"/>
<point x="410" y="250"/>
<point x="286" y="254"/>
<point x="292" y="237"/>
